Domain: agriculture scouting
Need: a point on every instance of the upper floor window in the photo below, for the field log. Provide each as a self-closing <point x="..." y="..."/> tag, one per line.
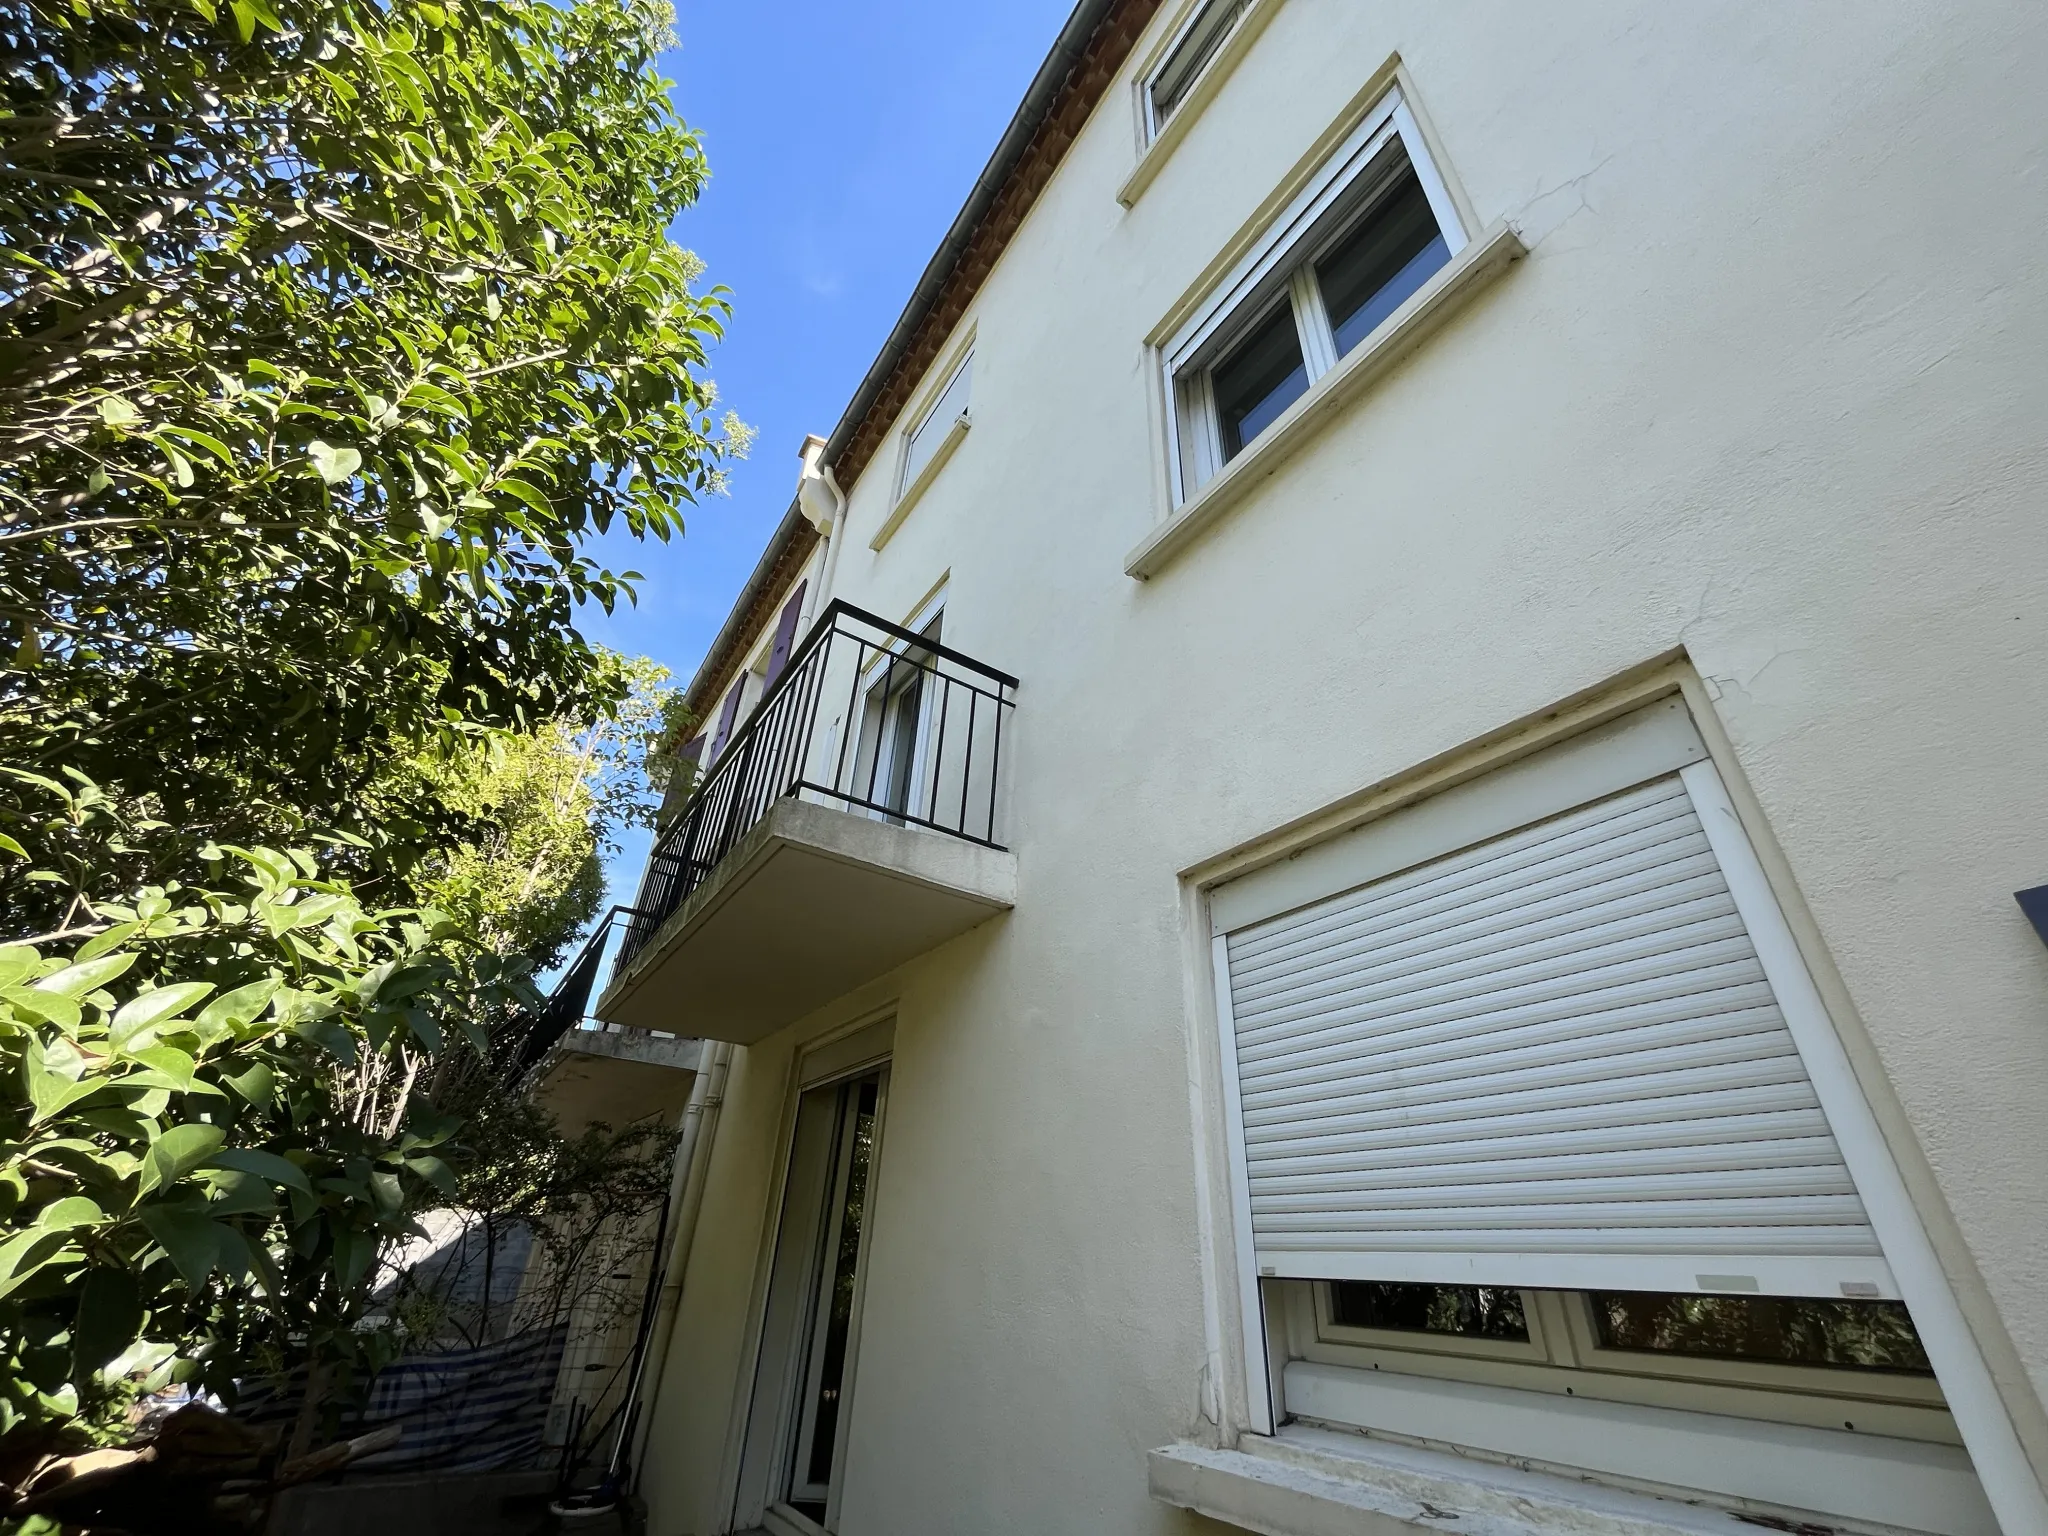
<point x="932" y="430"/>
<point x="1200" y="40"/>
<point x="1363" y="236"/>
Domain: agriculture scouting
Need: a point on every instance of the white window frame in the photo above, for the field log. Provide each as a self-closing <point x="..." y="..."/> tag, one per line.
<point x="928" y="421"/>
<point x="1148" y="111"/>
<point x="1250" y="1345"/>
<point x="1563" y="1355"/>
<point x="1280" y="267"/>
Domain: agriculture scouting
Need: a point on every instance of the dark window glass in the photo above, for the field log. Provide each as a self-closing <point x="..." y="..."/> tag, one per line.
<point x="1466" y="1311"/>
<point x="1259" y="380"/>
<point x="1781" y="1330"/>
<point x="1185" y="66"/>
<point x="840" y="1297"/>
<point x="1393" y="252"/>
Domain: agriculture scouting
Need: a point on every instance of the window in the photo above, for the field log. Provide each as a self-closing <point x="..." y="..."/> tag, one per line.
<point x="934" y="430"/>
<point x="1530" y="1100"/>
<point x="1830" y="1364"/>
<point x="1366" y="233"/>
<point x="1186" y="60"/>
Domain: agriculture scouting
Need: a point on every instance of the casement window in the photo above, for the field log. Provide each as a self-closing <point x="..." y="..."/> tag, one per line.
<point x="795" y="1453"/>
<point x="1528" y="1094"/>
<point x="938" y="428"/>
<point x="1362" y="237"/>
<point x="1187" y="58"/>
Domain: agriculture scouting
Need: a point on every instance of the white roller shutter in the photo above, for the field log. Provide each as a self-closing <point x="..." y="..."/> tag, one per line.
<point x="1550" y="1058"/>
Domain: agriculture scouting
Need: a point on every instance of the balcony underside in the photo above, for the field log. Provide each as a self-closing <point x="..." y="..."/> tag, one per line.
<point x="620" y="1079"/>
<point x="810" y="904"/>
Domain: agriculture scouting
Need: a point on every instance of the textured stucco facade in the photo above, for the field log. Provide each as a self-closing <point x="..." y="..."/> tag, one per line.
<point x="1767" y="392"/>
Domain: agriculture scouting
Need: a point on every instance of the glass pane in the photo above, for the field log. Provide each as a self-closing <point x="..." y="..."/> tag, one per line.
<point x="839" y="1299"/>
<point x="1184" y="65"/>
<point x="1393" y="252"/>
<point x="926" y="436"/>
<point x="1259" y="380"/>
<point x="1783" y="1330"/>
<point x="1466" y="1311"/>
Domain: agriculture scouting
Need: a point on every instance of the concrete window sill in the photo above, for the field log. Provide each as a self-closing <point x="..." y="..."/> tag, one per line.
<point x="1309" y="1482"/>
<point x="1460" y="280"/>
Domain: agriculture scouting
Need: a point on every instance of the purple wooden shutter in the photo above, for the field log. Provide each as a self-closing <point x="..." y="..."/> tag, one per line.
<point x="692" y="751"/>
<point x="785" y="632"/>
<point x="726" y="717"/>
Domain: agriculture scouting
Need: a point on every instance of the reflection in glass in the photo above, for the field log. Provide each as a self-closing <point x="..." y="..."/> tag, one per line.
<point x="1185" y="65"/>
<point x="1781" y="1330"/>
<point x="1259" y="380"/>
<point x="1465" y="1311"/>
<point x="1394" y="251"/>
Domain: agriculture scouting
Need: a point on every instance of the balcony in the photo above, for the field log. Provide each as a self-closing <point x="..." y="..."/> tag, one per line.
<point x="848" y="826"/>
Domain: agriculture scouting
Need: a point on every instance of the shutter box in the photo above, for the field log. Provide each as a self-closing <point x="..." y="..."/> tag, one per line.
<point x="1520" y="1034"/>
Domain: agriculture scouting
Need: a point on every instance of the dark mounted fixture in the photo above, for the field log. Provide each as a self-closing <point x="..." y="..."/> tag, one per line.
<point x="2035" y="904"/>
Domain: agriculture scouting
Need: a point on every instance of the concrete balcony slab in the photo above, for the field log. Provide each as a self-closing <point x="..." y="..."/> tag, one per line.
<point x="812" y="902"/>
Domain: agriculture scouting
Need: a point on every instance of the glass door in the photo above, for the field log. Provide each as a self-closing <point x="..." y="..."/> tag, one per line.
<point x="814" y="1464"/>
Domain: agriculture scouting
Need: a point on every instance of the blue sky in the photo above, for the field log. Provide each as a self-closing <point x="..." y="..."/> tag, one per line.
<point x="842" y="140"/>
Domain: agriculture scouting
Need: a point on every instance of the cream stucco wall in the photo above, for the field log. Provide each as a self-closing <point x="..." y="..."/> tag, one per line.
<point x="1769" y="387"/>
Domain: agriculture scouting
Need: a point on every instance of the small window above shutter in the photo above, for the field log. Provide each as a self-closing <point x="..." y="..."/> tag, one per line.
<point x="785" y="632"/>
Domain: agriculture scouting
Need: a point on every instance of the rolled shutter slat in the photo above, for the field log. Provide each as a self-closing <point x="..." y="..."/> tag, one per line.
<point x="1560" y="1042"/>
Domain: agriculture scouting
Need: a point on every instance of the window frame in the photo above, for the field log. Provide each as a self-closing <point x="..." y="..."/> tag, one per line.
<point x="1151" y="123"/>
<point x="1475" y="1414"/>
<point x="1563" y="1356"/>
<point x="1280" y="267"/>
<point x="908" y="478"/>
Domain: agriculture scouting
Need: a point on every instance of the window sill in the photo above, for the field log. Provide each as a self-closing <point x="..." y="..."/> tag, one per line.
<point x="914" y="492"/>
<point x="1309" y="1482"/>
<point x="1462" y="279"/>
<point x="1161" y="149"/>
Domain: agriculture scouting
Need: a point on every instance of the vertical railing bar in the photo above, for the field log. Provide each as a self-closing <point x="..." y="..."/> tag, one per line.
<point x="847" y="735"/>
<point x="995" y="763"/>
<point x="939" y="750"/>
<point x="967" y="775"/>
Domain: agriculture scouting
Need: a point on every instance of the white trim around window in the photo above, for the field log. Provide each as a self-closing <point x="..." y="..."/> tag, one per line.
<point x="1237" y="25"/>
<point x="1496" y="1398"/>
<point x="1369" y="252"/>
<point x="939" y="424"/>
<point x="1383" y="157"/>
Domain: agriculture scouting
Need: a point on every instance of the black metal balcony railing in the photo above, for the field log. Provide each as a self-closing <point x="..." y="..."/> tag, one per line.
<point x="867" y="715"/>
<point x="563" y="1009"/>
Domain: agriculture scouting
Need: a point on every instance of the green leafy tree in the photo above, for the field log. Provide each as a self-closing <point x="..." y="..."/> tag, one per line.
<point x="223" y="1117"/>
<point x="548" y="806"/>
<point x="330" y="334"/>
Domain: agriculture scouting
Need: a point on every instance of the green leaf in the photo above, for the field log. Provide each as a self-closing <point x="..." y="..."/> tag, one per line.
<point x="21" y="1256"/>
<point x="17" y="963"/>
<point x="333" y="465"/>
<point x="88" y="976"/>
<point x="257" y="1083"/>
<point x="387" y="1193"/>
<point x="149" y="1009"/>
<point x="173" y="1063"/>
<point x="108" y="1319"/>
<point x="243" y="1005"/>
<point x="193" y="1241"/>
<point x="69" y="1214"/>
<point x="435" y="1172"/>
<point x="264" y="1165"/>
<point x="12" y="846"/>
<point x="177" y="1152"/>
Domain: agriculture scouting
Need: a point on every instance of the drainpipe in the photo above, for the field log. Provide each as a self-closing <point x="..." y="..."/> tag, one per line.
<point x="824" y="504"/>
<point x="693" y="1163"/>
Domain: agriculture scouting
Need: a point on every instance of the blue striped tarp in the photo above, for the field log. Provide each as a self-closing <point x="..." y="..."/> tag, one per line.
<point x="463" y="1410"/>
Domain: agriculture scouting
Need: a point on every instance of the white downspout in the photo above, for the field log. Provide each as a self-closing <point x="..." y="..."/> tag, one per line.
<point x="693" y="1163"/>
<point x="818" y="493"/>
